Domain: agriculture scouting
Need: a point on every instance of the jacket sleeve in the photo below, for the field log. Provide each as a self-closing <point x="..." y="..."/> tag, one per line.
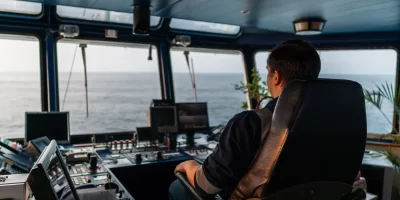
<point x="233" y="155"/>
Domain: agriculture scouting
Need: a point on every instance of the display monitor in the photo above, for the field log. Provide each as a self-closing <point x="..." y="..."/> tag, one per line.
<point x="49" y="178"/>
<point x="53" y="125"/>
<point x="163" y="119"/>
<point x="193" y="117"/>
<point x="145" y="134"/>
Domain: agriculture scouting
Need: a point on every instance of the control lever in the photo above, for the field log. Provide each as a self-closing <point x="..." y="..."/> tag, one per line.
<point x="159" y="155"/>
<point x="138" y="158"/>
<point x="93" y="162"/>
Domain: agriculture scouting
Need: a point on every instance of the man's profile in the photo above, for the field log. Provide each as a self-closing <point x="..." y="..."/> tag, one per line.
<point x="238" y="144"/>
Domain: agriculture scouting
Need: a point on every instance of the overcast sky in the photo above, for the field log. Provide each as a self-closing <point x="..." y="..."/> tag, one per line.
<point x="23" y="56"/>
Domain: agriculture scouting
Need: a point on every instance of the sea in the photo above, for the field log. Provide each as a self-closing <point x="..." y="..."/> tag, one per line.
<point x="119" y="101"/>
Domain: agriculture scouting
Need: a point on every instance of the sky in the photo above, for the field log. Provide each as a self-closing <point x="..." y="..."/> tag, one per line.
<point x="23" y="56"/>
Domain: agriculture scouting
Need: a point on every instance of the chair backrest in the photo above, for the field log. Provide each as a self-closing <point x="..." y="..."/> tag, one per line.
<point x="317" y="133"/>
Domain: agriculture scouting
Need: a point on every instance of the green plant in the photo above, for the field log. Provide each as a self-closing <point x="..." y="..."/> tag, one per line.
<point x="256" y="89"/>
<point x="376" y="97"/>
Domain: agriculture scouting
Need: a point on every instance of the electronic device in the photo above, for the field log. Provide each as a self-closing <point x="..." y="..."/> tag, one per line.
<point x="162" y="102"/>
<point x="163" y="119"/>
<point x="6" y="169"/>
<point x="77" y="157"/>
<point x="36" y="147"/>
<point x="69" y="31"/>
<point x="193" y="117"/>
<point x="49" y="178"/>
<point x="14" y="186"/>
<point x="18" y="161"/>
<point x="141" y="17"/>
<point x="145" y="134"/>
<point x="53" y="125"/>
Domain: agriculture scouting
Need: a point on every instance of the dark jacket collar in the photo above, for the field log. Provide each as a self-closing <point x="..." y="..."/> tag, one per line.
<point x="271" y="104"/>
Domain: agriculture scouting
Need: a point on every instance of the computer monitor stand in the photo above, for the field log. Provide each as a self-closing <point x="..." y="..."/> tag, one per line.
<point x="190" y="139"/>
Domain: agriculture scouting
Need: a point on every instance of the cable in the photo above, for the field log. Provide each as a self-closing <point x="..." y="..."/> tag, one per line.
<point x="69" y="78"/>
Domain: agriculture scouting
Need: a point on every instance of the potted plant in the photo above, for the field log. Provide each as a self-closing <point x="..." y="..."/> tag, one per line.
<point x="256" y="89"/>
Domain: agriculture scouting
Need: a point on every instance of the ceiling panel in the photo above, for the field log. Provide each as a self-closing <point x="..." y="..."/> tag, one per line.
<point x="276" y="15"/>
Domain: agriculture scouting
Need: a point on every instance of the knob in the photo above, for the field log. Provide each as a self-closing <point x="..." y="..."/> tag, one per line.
<point x="93" y="162"/>
<point x="138" y="158"/>
<point x="69" y="167"/>
<point x="159" y="155"/>
<point x="89" y="180"/>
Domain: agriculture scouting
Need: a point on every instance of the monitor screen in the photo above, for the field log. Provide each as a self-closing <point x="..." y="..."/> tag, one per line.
<point x="163" y="119"/>
<point x="49" y="178"/>
<point x="193" y="117"/>
<point x="40" y="143"/>
<point x="145" y="134"/>
<point x="53" y="125"/>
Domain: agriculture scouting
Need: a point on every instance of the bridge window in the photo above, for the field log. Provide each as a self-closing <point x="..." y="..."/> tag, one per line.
<point x="208" y="27"/>
<point x="121" y="84"/>
<point x="100" y="15"/>
<point x="367" y="67"/>
<point x="216" y="73"/>
<point x="20" y="89"/>
<point x="23" y="7"/>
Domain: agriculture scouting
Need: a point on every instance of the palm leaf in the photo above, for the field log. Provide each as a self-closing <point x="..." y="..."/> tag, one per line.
<point x="375" y="98"/>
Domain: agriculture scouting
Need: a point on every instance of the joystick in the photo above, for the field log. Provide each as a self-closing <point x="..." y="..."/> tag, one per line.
<point x="93" y="162"/>
<point x="159" y="155"/>
<point x="138" y="158"/>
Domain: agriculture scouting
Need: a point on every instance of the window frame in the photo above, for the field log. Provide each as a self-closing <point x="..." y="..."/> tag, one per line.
<point x="42" y="69"/>
<point x="101" y="23"/>
<point x="24" y="15"/>
<point x="207" y="49"/>
<point x="128" y="44"/>
<point x="372" y="136"/>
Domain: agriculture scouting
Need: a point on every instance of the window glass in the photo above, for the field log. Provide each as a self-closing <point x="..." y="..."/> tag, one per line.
<point x="209" y="27"/>
<point x="20" y="90"/>
<point x="367" y="67"/>
<point x="121" y="84"/>
<point x="100" y="15"/>
<point x="215" y="75"/>
<point x="24" y="7"/>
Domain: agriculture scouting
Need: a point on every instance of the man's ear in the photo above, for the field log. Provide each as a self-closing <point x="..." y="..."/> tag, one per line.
<point x="276" y="79"/>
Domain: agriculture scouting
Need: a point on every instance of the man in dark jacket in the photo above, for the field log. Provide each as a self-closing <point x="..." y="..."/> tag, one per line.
<point x="238" y="144"/>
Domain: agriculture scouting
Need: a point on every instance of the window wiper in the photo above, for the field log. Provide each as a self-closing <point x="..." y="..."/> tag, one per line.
<point x="83" y="48"/>
<point x="191" y="73"/>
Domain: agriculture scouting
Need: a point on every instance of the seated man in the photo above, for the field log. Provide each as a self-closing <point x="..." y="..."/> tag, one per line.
<point x="222" y="170"/>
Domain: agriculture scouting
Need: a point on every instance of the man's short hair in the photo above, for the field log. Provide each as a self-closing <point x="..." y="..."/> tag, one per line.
<point x="295" y="59"/>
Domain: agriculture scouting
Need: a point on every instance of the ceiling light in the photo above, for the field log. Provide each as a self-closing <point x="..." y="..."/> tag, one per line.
<point x="309" y="26"/>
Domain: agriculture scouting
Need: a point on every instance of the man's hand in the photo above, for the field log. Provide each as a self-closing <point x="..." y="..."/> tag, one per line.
<point x="189" y="168"/>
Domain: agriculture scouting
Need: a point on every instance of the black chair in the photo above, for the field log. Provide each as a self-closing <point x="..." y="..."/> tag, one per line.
<point x="314" y="145"/>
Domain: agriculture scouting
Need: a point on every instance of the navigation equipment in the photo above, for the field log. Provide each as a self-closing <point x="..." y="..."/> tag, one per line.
<point x="193" y="117"/>
<point x="163" y="119"/>
<point x="53" y="125"/>
<point x="145" y="134"/>
<point x="49" y="178"/>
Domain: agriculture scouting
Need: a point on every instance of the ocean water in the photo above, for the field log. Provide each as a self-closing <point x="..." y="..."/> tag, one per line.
<point x="119" y="101"/>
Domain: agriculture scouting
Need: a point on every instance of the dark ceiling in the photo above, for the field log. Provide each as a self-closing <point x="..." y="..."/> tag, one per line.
<point x="342" y="16"/>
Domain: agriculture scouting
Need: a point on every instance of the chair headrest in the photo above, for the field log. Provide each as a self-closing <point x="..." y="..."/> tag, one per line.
<point x="321" y="102"/>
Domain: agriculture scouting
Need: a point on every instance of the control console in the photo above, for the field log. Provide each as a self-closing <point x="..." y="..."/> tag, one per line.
<point x="121" y="146"/>
<point x="199" y="153"/>
<point x="149" y="156"/>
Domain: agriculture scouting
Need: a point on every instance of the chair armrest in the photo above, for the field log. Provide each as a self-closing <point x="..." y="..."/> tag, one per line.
<point x="185" y="182"/>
